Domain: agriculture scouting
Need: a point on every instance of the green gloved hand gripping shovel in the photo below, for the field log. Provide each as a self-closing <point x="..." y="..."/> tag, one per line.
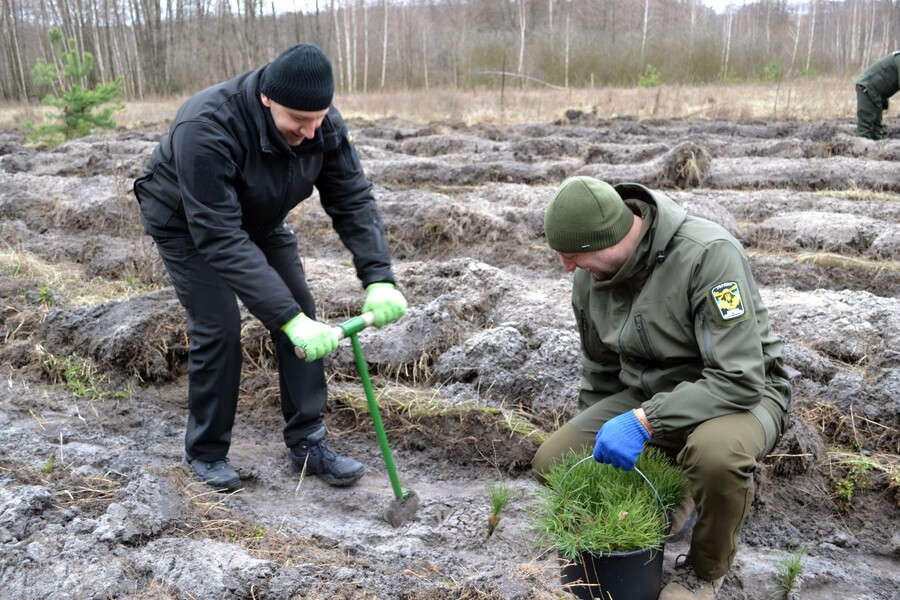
<point x="405" y="504"/>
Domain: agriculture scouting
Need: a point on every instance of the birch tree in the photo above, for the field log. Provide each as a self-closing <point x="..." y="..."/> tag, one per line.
<point x="520" y="70"/>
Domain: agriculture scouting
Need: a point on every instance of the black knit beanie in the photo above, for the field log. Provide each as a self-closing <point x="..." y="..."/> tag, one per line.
<point x="300" y="78"/>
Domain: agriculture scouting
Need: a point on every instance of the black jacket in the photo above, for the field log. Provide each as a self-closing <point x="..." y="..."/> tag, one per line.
<point x="224" y="176"/>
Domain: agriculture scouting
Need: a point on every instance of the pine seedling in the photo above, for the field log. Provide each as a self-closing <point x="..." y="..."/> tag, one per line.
<point x="501" y="493"/>
<point x="789" y="568"/>
<point x="586" y="505"/>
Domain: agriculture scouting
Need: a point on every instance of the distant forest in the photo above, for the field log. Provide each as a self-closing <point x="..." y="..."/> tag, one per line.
<point x="169" y="47"/>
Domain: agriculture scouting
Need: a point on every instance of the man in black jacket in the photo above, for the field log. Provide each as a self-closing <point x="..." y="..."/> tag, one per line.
<point x="214" y="195"/>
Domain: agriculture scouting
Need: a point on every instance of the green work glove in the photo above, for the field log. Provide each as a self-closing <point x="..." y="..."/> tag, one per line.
<point x="316" y="339"/>
<point x="385" y="301"/>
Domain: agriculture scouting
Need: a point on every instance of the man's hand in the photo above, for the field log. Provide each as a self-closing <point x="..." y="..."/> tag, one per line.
<point x="385" y="301"/>
<point x="317" y="339"/>
<point x="621" y="440"/>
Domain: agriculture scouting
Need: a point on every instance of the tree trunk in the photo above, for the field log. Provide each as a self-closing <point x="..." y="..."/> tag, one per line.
<point x="18" y="71"/>
<point x="812" y="33"/>
<point x="520" y="70"/>
<point x="726" y="50"/>
<point x="384" y="44"/>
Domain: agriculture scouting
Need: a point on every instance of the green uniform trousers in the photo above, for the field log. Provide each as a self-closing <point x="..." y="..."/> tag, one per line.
<point x="718" y="457"/>
<point x="869" y="110"/>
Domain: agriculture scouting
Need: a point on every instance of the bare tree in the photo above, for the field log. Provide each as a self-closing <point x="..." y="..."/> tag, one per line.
<point x="349" y="38"/>
<point x="520" y="70"/>
<point x="384" y="44"/>
<point x="812" y="33"/>
<point x="644" y="30"/>
<point x="568" y="46"/>
<point x="175" y="46"/>
<point x="9" y="20"/>
<point x="726" y="49"/>
<point x="365" y="11"/>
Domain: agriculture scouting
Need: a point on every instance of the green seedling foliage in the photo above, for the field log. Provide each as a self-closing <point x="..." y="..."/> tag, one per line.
<point x="772" y="71"/>
<point x="82" y="110"/>
<point x="651" y="77"/>
<point x="75" y="374"/>
<point x="790" y="568"/>
<point x="501" y="494"/>
<point x="46" y="296"/>
<point x="257" y="532"/>
<point x="844" y="489"/>
<point x="599" y="508"/>
<point x="858" y="470"/>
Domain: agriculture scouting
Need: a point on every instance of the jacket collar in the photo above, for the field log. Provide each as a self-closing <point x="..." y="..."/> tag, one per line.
<point x="666" y="217"/>
<point x="662" y="217"/>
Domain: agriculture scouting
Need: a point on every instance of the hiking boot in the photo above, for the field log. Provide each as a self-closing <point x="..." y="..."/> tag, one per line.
<point x="687" y="585"/>
<point x="319" y="459"/>
<point x="216" y="474"/>
<point x="684" y="517"/>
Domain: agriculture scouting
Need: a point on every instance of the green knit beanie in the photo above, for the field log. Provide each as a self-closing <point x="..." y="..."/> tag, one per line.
<point x="586" y="214"/>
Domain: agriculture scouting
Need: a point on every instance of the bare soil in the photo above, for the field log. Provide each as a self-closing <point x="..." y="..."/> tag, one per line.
<point x="94" y="503"/>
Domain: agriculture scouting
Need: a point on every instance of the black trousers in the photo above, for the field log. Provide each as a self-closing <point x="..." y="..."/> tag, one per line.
<point x="214" y="355"/>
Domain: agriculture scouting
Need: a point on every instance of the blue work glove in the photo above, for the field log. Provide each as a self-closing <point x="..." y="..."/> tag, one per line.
<point x="385" y="301"/>
<point x="621" y="440"/>
<point x="316" y="339"/>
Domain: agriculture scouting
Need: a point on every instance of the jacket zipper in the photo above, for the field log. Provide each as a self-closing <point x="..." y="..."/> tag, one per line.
<point x="584" y="334"/>
<point x="707" y="339"/>
<point x="642" y="334"/>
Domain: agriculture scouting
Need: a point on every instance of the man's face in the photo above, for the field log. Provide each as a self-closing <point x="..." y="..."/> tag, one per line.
<point x="294" y="125"/>
<point x="602" y="264"/>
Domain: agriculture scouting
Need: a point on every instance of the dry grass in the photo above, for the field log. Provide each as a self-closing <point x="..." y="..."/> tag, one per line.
<point x="800" y="100"/>
<point x="66" y="280"/>
<point x="805" y="100"/>
<point x="832" y="260"/>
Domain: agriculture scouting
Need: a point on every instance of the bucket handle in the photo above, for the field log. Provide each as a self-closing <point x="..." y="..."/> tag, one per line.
<point x="639" y="472"/>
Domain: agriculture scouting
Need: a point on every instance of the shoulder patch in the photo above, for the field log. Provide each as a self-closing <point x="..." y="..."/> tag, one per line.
<point x="726" y="301"/>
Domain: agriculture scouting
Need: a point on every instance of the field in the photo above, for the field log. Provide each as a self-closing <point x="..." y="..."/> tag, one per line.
<point x="94" y="503"/>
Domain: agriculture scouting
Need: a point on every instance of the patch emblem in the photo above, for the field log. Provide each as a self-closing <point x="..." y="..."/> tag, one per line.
<point x="727" y="300"/>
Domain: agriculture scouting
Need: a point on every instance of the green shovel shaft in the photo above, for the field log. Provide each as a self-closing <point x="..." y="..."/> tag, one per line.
<point x="376" y="414"/>
<point x="354" y="325"/>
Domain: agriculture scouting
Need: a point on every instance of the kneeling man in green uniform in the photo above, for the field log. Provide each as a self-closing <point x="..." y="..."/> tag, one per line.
<point x="677" y="352"/>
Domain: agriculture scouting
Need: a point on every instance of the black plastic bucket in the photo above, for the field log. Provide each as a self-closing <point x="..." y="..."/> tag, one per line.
<point x="634" y="575"/>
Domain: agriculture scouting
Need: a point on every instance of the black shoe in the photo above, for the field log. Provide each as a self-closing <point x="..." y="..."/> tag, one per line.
<point x="217" y="474"/>
<point x="321" y="460"/>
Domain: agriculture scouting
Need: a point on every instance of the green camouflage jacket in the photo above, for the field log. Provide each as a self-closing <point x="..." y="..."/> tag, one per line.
<point x="682" y="321"/>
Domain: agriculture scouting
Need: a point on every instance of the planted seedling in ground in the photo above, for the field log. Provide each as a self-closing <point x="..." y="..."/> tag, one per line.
<point x="789" y="568"/>
<point x="501" y="494"/>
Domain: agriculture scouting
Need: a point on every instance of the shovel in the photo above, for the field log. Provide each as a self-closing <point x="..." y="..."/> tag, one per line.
<point x="405" y="504"/>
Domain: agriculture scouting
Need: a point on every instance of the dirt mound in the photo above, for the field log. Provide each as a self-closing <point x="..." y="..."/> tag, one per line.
<point x="483" y="365"/>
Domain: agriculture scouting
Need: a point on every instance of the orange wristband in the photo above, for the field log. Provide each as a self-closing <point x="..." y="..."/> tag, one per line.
<point x="643" y="419"/>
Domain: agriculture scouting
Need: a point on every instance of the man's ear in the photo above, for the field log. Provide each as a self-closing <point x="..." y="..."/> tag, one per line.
<point x="265" y="100"/>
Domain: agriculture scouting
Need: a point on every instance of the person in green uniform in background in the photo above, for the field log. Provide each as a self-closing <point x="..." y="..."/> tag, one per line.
<point x="677" y="352"/>
<point x="873" y="88"/>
